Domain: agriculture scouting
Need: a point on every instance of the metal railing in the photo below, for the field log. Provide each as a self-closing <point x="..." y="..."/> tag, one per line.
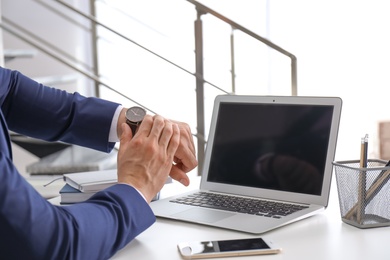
<point x="93" y="73"/>
<point x="202" y="10"/>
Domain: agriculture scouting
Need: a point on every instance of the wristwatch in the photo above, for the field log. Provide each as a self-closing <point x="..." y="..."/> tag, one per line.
<point x="134" y="117"/>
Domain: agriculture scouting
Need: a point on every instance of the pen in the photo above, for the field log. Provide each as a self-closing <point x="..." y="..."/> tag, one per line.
<point x="363" y="152"/>
<point x="362" y="180"/>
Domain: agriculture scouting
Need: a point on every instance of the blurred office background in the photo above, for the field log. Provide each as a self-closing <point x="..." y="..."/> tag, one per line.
<point x="342" y="49"/>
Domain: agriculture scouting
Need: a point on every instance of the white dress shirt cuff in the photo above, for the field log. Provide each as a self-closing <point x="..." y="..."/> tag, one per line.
<point x="113" y="135"/>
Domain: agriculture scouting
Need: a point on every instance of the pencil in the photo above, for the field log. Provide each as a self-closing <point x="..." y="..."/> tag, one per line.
<point x="362" y="180"/>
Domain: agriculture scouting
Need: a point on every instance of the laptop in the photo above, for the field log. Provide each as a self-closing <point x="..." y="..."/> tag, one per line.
<point x="264" y="153"/>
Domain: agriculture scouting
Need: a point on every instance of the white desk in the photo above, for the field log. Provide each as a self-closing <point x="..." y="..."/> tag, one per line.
<point x="323" y="236"/>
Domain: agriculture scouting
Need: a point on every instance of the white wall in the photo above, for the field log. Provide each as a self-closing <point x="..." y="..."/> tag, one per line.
<point x="341" y="46"/>
<point x="342" y="49"/>
<point x="57" y="31"/>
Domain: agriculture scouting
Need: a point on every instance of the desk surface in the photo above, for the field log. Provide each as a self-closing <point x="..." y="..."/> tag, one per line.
<point x="323" y="236"/>
<point x="320" y="237"/>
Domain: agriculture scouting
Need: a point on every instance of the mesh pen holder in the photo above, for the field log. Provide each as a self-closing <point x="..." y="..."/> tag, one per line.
<point x="364" y="193"/>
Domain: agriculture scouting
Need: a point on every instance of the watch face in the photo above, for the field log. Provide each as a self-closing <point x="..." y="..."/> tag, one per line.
<point x="135" y="114"/>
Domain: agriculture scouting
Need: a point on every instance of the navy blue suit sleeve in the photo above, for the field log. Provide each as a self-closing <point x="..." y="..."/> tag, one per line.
<point x="52" y="114"/>
<point x="32" y="228"/>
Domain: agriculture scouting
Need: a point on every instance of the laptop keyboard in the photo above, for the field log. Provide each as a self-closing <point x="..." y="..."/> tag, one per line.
<point x="258" y="207"/>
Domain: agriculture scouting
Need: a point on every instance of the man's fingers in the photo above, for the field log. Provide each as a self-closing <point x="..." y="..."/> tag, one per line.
<point x="185" y="131"/>
<point x="145" y="127"/>
<point x="157" y="127"/>
<point x="174" y="140"/>
<point x="186" y="158"/>
<point x="166" y="134"/>
<point x="178" y="175"/>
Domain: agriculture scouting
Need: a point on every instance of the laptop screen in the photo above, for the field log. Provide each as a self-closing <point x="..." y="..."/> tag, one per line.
<point x="271" y="146"/>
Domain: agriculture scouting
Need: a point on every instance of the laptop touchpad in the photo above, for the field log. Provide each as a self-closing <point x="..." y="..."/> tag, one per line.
<point x="203" y="215"/>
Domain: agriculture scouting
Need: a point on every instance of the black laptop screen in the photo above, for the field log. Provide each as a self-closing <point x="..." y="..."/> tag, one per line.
<point x="271" y="146"/>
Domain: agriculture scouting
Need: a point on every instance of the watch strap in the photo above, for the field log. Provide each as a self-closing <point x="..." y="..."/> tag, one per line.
<point x="133" y="126"/>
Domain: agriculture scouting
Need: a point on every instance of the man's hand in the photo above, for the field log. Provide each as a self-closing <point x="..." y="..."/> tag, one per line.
<point x="145" y="160"/>
<point x="185" y="157"/>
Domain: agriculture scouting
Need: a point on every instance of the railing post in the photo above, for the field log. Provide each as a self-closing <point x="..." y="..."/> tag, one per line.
<point x="232" y="63"/>
<point x="94" y="48"/>
<point x="294" y="76"/>
<point x="199" y="90"/>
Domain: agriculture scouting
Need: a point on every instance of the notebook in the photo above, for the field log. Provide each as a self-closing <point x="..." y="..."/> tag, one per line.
<point x="274" y="150"/>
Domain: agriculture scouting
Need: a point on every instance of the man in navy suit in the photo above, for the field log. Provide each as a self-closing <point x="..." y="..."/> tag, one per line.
<point x="31" y="227"/>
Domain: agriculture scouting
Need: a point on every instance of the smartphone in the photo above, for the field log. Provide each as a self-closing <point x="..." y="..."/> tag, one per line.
<point x="224" y="248"/>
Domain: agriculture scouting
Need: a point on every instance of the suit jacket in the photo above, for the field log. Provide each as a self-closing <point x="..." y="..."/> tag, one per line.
<point x="31" y="227"/>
